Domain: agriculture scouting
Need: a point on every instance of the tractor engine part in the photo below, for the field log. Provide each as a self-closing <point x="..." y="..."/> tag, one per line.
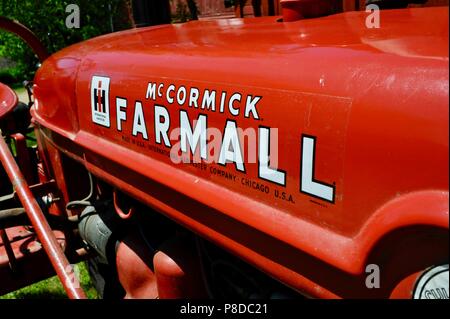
<point x="135" y="270"/>
<point x="145" y="268"/>
<point x="178" y="270"/>
<point x="96" y="229"/>
<point x="12" y="217"/>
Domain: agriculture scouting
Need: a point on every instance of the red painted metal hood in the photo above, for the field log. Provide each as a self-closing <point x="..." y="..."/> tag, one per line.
<point x="331" y="55"/>
<point x="375" y="101"/>
<point x="420" y="33"/>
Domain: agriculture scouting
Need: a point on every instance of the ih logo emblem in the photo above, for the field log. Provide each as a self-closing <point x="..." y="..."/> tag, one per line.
<point x="100" y="100"/>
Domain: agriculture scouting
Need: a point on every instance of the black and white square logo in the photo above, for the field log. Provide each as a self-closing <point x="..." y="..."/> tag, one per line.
<point x="100" y="100"/>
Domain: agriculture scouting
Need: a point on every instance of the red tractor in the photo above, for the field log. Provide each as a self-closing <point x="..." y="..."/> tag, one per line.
<point x="273" y="157"/>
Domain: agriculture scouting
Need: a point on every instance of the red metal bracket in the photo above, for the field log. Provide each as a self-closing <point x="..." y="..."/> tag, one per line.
<point x="43" y="231"/>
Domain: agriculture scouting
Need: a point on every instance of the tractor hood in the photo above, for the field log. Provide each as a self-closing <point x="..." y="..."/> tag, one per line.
<point x="327" y="104"/>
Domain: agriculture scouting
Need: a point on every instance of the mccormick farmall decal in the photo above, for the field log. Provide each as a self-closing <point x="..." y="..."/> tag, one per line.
<point x="194" y="134"/>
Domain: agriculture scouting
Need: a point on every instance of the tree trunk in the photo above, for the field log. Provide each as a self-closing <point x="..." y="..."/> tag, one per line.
<point x="193" y="9"/>
<point x="257" y="8"/>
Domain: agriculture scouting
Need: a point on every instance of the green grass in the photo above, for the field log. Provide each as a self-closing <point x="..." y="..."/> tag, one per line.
<point x="18" y="87"/>
<point x="52" y="288"/>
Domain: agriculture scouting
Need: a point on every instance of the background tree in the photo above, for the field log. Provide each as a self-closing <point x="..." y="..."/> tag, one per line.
<point x="47" y="19"/>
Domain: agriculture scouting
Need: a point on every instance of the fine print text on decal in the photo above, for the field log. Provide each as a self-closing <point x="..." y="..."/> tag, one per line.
<point x="207" y="144"/>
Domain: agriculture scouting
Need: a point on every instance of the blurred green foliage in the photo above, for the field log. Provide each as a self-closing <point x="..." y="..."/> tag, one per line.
<point x="47" y="18"/>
